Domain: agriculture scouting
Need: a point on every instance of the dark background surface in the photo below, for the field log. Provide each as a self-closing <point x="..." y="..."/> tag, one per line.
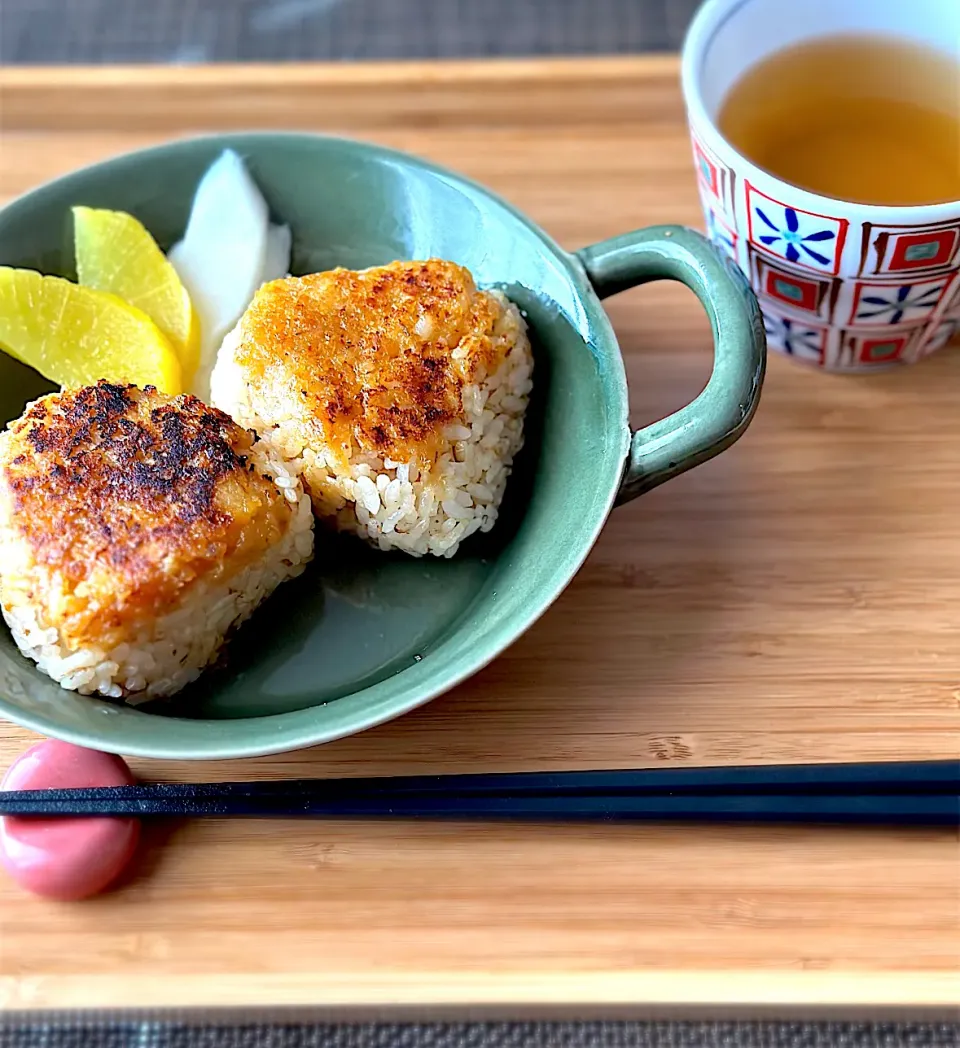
<point x="186" y="31"/>
<point x="483" y="1035"/>
<point x="91" y="31"/>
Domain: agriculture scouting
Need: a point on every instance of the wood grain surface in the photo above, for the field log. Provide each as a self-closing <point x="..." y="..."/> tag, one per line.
<point x="797" y="599"/>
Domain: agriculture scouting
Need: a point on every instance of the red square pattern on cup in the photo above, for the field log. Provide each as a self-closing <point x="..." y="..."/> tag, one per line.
<point x="876" y="348"/>
<point x="792" y="290"/>
<point x="910" y="250"/>
<point x="795" y="290"/>
<point x="715" y="179"/>
<point x="803" y="238"/>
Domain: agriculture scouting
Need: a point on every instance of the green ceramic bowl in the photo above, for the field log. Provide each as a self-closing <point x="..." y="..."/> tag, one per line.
<point x="363" y="636"/>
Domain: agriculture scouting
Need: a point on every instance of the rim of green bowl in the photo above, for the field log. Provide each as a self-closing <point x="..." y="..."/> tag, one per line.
<point x="401" y="692"/>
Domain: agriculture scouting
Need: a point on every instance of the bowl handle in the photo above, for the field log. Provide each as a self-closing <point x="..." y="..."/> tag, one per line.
<point x="721" y="413"/>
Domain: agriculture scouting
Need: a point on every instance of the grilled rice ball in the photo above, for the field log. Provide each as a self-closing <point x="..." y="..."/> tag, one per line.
<point x="398" y="394"/>
<point x="136" y="530"/>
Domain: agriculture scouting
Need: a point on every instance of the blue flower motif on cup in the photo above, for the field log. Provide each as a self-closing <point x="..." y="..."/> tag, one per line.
<point x="897" y="304"/>
<point x="793" y="240"/>
<point x="795" y="338"/>
<point x="878" y="304"/>
<point x="800" y="237"/>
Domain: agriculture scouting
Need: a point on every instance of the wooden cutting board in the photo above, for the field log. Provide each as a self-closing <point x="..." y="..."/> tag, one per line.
<point x="797" y="599"/>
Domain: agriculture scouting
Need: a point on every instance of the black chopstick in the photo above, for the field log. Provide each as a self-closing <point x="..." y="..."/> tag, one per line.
<point x="921" y="793"/>
<point x="881" y="777"/>
<point x="892" y="809"/>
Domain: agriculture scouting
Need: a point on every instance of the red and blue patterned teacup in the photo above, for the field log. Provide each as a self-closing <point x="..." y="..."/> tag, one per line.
<point x="843" y="286"/>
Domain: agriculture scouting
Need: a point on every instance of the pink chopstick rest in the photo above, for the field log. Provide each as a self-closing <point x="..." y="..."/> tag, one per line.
<point x="66" y="858"/>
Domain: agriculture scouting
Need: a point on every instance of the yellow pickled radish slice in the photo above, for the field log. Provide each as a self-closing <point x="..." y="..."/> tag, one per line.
<point x="116" y="254"/>
<point x="75" y="335"/>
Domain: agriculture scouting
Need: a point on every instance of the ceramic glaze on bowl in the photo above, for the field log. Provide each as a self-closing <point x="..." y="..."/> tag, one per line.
<point x="364" y="636"/>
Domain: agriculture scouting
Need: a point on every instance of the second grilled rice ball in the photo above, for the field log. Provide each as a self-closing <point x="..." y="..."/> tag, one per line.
<point x="136" y="530"/>
<point x="398" y="394"/>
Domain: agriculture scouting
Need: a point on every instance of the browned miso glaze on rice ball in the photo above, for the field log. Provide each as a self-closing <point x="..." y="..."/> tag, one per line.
<point x="396" y="393"/>
<point x="136" y="530"/>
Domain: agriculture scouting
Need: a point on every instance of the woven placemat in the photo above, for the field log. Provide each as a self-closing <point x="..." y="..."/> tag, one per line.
<point x="86" y="1034"/>
<point x="82" y="1032"/>
<point x="93" y="31"/>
